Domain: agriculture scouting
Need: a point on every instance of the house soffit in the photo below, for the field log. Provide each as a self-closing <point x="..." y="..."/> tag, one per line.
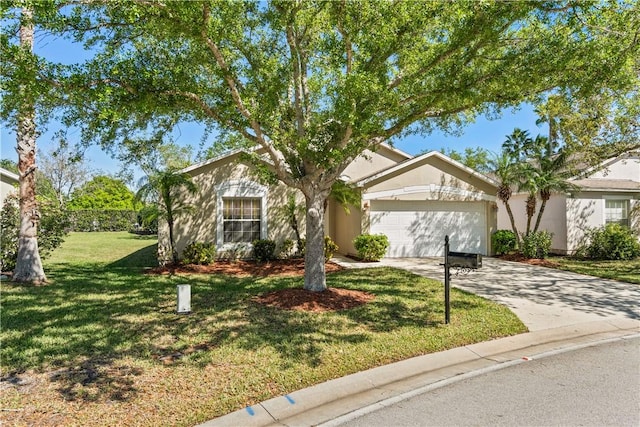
<point x="8" y="176"/>
<point x="201" y="167"/>
<point x="607" y="185"/>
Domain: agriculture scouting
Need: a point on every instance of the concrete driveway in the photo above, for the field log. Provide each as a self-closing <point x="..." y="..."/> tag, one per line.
<point x="542" y="298"/>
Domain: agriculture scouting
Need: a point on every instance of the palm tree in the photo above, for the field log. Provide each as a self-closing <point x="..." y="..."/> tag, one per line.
<point x="551" y="177"/>
<point x="505" y="170"/>
<point x="163" y="188"/>
<point x="528" y="181"/>
<point x="511" y="170"/>
<point x="518" y="144"/>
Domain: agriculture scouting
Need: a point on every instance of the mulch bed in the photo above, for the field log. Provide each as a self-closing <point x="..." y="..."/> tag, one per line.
<point x="533" y="261"/>
<point x="332" y="299"/>
<point x="280" y="267"/>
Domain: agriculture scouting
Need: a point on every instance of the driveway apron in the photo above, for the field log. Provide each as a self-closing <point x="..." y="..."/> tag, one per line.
<point x="543" y="298"/>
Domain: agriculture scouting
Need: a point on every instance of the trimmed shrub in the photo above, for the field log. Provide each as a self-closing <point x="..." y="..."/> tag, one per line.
<point x="371" y="247"/>
<point x="503" y="242"/>
<point x="611" y="242"/>
<point x="264" y="250"/>
<point x="330" y="248"/>
<point x="54" y="222"/>
<point x="536" y="245"/>
<point x="199" y="253"/>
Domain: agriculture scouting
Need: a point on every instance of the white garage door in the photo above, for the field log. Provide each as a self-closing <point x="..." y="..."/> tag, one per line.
<point x="417" y="228"/>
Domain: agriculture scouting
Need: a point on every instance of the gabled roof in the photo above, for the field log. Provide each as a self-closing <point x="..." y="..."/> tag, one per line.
<point x="395" y="150"/>
<point x="196" y="168"/>
<point x="603" y="184"/>
<point x="224" y="158"/>
<point x="585" y="183"/>
<point x="419" y="161"/>
<point x="584" y="174"/>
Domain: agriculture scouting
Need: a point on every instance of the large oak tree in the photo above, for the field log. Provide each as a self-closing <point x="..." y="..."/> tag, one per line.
<point x="315" y="83"/>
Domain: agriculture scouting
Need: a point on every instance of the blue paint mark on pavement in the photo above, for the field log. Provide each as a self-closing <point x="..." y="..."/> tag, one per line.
<point x="250" y="411"/>
<point x="290" y="399"/>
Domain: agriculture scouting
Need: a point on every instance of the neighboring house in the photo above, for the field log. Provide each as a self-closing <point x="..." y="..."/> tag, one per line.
<point x="415" y="201"/>
<point x="605" y="194"/>
<point x="8" y="184"/>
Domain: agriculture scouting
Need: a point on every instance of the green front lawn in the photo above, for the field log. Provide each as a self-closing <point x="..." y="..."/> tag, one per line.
<point x="103" y="338"/>
<point x="625" y="271"/>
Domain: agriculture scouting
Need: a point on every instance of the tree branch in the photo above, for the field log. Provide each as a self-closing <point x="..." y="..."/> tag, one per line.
<point x="231" y="81"/>
<point x="294" y="49"/>
<point x="413" y="117"/>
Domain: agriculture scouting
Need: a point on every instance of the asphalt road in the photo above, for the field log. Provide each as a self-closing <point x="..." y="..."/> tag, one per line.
<point x="591" y="386"/>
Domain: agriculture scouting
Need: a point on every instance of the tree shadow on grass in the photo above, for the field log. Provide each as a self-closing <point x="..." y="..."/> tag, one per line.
<point x="142" y="258"/>
<point x="95" y="327"/>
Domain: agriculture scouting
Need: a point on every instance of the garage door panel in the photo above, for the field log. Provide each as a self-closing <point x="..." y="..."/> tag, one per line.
<point x="417" y="229"/>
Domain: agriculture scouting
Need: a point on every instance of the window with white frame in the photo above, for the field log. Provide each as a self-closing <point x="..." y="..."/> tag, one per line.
<point x="241" y="219"/>
<point x="616" y="211"/>
<point x="241" y="213"/>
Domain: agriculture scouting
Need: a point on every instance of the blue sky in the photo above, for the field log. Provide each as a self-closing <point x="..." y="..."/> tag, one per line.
<point x="484" y="133"/>
<point x="489" y="134"/>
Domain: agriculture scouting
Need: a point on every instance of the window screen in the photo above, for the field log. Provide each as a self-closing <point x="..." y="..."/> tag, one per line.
<point x="617" y="211"/>
<point x="241" y="219"/>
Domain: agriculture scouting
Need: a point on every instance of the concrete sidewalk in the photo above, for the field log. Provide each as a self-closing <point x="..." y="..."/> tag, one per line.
<point x="557" y="320"/>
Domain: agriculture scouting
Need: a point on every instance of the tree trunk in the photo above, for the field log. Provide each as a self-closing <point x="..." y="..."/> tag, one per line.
<point x="314" y="273"/>
<point x="531" y="211"/>
<point x="540" y="212"/>
<point x="28" y="264"/>
<point x="513" y="222"/>
<point x="174" y="253"/>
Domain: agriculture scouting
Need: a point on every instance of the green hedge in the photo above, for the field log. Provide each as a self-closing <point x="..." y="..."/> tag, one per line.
<point x="103" y="220"/>
<point x="504" y="242"/>
<point x="610" y="242"/>
<point x="202" y="253"/>
<point x="371" y="247"/>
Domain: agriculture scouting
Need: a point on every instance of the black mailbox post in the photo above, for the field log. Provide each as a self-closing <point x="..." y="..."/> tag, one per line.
<point x="462" y="260"/>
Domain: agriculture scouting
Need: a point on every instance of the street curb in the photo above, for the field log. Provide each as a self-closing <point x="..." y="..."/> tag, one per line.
<point x="334" y="398"/>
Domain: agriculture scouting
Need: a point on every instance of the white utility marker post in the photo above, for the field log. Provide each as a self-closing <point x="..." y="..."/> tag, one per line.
<point x="184" y="299"/>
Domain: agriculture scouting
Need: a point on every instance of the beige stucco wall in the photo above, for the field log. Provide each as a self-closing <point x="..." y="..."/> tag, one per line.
<point x="553" y="220"/>
<point x="444" y="182"/>
<point x="369" y="163"/>
<point x="345" y="227"/>
<point x="624" y="168"/>
<point x="492" y="223"/>
<point x="201" y="224"/>
<point x="567" y="217"/>
<point x="425" y="183"/>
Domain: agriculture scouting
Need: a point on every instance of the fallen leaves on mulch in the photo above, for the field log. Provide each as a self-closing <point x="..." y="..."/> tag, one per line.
<point x="280" y="267"/>
<point x="331" y="299"/>
<point x="530" y="261"/>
